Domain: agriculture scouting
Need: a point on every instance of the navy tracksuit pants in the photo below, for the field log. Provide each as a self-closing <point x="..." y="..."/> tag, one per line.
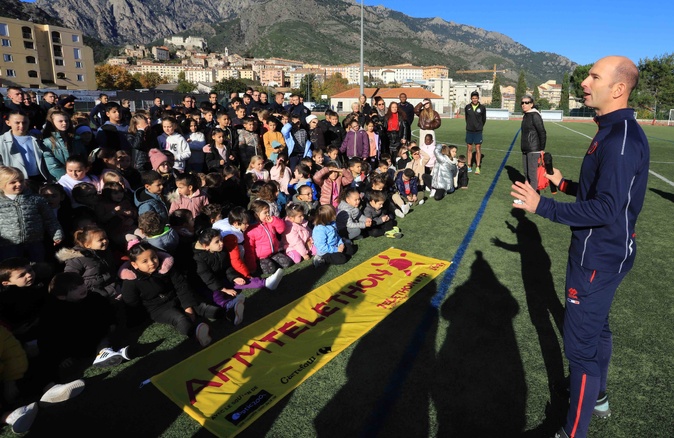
<point x="587" y="340"/>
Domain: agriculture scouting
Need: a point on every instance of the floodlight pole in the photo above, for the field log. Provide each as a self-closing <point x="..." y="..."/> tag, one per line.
<point x="361" y="47"/>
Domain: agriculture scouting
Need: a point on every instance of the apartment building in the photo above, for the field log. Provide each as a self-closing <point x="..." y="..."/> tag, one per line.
<point x="44" y="56"/>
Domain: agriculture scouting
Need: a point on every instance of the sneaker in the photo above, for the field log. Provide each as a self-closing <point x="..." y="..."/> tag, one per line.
<point x="405" y="208"/>
<point x="470" y="169"/>
<point x="108" y="357"/>
<point x="21" y="419"/>
<point x="61" y="393"/>
<point x="393" y="235"/>
<point x="428" y="189"/>
<point x="203" y="334"/>
<point x="238" y="309"/>
<point x="477" y="170"/>
<point x="125" y="353"/>
<point x="396" y="229"/>
<point x="421" y="201"/>
<point x="399" y="213"/>
<point x="318" y="260"/>
<point x="601" y="409"/>
<point x="432" y="193"/>
<point x="561" y="433"/>
<point x="274" y="279"/>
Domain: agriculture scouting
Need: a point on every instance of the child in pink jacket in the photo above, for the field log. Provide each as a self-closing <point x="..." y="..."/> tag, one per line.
<point x="331" y="179"/>
<point x="297" y="239"/>
<point x="188" y="195"/>
<point x="261" y="241"/>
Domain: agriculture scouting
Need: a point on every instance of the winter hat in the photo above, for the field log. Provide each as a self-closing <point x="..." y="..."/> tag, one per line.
<point x="156" y="158"/>
<point x="310" y="118"/>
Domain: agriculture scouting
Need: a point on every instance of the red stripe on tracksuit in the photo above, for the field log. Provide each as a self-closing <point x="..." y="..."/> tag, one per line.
<point x="593" y="274"/>
<point x="580" y="406"/>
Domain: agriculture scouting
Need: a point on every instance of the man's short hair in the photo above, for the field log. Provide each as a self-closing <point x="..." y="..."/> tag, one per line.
<point x="110" y="105"/>
<point x="474" y="93"/>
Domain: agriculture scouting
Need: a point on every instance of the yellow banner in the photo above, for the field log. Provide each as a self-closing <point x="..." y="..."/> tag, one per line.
<point x="231" y="383"/>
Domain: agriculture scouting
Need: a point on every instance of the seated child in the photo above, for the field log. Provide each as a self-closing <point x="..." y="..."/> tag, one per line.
<point x="115" y="213"/>
<point x="75" y="324"/>
<point x="92" y="259"/>
<point x="156" y="232"/>
<point x="281" y="172"/>
<point x="331" y="179"/>
<point x="301" y="178"/>
<point x="304" y="197"/>
<point x="297" y="236"/>
<point x="26" y="219"/>
<point x="150" y="281"/>
<point x="407" y="186"/>
<point x="394" y="203"/>
<point x="350" y="220"/>
<point x="77" y="172"/>
<point x="216" y="272"/>
<point x="22" y="294"/>
<point x="182" y="221"/>
<point x="232" y="229"/>
<point x="149" y="197"/>
<point x="330" y="248"/>
<point x="382" y="224"/>
<point x="261" y="243"/>
<point x="418" y="162"/>
<point x="189" y="196"/>
<point x="356" y="169"/>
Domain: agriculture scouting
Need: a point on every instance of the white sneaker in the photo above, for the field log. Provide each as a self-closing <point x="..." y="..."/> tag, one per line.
<point x="428" y="189"/>
<point x="108" y="357"/>
<point x="432" y="193"/>
<point x="405" y="208"/>
<point x="21" y="419"/>
<point x="61" y="393"/>
<point x="203" y="334"/>
<point x="125" y="353"/>
<point x="399" y="213"/>
<point x="274" y="279"/>
<point x="421" y="201"/>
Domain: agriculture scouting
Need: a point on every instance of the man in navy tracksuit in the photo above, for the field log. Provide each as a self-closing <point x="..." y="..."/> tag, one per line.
<point x="609" y="195"/>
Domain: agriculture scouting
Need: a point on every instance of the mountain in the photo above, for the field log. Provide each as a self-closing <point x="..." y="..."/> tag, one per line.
<point x="326" y="31"/>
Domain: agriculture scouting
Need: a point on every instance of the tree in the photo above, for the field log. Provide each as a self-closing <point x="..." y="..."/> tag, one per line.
<point x="184" y="86"/>
<point x="332" y="85"/>
<point x="307" y="85"/>
<point x="536" y="94"/>
<point x="114" y="77"/>
<point x="543" y="104"/>
<point x="521" y="88"/>
<point x="226" y="86"/>
<point x="577" y="77"/>
<point x="496" y="98"/>
<point x="655" y="91"/>
<point x="149" y="80"/>
<point x="564" y="99"/>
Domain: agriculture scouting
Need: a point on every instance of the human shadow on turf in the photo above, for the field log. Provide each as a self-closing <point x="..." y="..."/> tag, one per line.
<point x="668" y="196"/>
<point x="478" y="387"/>
<point x="545" y="309"/>
<point x="514" y="175"/>
<point x="389" y="374"/>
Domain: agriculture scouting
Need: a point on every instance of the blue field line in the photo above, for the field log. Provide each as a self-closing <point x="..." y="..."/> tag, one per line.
<point x="399" y="375"/>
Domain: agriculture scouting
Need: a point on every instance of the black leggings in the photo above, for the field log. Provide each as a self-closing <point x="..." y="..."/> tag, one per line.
<point x="339" y="258"/>
<point x="172" y="314"/>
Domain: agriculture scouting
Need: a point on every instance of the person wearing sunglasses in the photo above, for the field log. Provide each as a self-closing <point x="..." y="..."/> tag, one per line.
<point x="533" y="138"/>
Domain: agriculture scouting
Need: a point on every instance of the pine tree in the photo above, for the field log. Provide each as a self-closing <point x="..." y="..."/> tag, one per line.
<point x="564" y="100"/>
<point x="521" y="89"/>
<point x="536" y="94"/>
<point x="496" y="98"/>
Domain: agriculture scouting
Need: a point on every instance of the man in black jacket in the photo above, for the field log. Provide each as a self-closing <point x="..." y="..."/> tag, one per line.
<point x="476" y="117"/>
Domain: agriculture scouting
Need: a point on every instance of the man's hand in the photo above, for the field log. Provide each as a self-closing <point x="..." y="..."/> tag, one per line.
<point x="556" y="176"/>
<point x="523" y="192"/>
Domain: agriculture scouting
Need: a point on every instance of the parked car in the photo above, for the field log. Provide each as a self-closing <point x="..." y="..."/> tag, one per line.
<point x="320" y="108"/>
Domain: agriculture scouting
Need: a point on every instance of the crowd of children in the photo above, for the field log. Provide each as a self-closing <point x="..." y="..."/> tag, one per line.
<point x="171" y="217"/>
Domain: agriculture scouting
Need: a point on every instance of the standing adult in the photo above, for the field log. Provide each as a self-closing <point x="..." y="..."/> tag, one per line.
<point x="156" y="110"/>
<point x="297" y="108"/>
<point x="395" y="127"/>
<point x="533" y="139"/>
<point x="189" y="102"/>
<point x="97" y="114"/>
<point x="365" y="107"/>
<point x="609" y="196"/>
<point x="429" y="119"/>
<point x="405" y="107"/>
<point x="213" y="102"/>
<point x="48" y="101"/>
<point x="277" y="106"/>
<point x="476" y="117"/>
<point x="264" y="101"/>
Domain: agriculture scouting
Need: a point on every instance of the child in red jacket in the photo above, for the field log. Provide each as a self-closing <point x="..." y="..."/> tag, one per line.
<point x="261" y="241"/>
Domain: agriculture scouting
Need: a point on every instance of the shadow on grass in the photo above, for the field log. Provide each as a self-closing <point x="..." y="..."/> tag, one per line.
<point x="668" y="196"/>
<point x="479" y="388"/>
<point x="545" y="309"/>
<point x="514" y="175"/>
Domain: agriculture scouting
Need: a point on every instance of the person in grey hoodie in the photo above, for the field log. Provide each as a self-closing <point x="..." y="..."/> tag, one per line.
<point x="350" y="220"/>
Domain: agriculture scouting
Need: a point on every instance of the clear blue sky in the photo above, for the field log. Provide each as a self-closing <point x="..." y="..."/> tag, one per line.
<point x="583" y="31"/>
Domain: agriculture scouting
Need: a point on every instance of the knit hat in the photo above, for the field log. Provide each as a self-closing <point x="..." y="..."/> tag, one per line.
<point x="156" y="158"/>
<point x="310" y="118"/>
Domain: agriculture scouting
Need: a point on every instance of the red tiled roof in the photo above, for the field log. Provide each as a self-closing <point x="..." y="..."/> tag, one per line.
<point x="389" y="93"/>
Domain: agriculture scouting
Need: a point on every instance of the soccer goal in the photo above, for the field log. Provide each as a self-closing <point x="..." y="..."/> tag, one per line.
<point x="670" y="122"/>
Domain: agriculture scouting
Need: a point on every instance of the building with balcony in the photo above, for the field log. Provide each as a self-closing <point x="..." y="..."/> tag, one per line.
<point x="44" y="56"/>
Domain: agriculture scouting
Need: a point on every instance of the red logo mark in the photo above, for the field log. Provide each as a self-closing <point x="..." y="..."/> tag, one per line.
<point x="399" y="264"/>
<point x="573" y="294"/>
<point x="593" y="147"/>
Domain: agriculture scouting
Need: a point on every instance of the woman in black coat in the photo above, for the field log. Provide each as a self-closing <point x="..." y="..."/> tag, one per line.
<point x="533" y="139"/>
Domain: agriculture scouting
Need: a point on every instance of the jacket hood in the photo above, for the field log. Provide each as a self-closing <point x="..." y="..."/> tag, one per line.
<point x="127" y="272"/>
<point x="68" y="254"/>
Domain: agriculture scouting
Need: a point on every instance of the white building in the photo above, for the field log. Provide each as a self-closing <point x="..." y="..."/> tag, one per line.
<point x="189" y="42"/>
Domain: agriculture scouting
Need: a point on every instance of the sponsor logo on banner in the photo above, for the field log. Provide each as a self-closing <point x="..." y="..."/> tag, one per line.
<point x="255" y="402"/>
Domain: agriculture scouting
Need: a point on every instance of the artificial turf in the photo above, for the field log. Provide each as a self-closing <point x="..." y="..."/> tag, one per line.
<point x="480" y="363"/>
